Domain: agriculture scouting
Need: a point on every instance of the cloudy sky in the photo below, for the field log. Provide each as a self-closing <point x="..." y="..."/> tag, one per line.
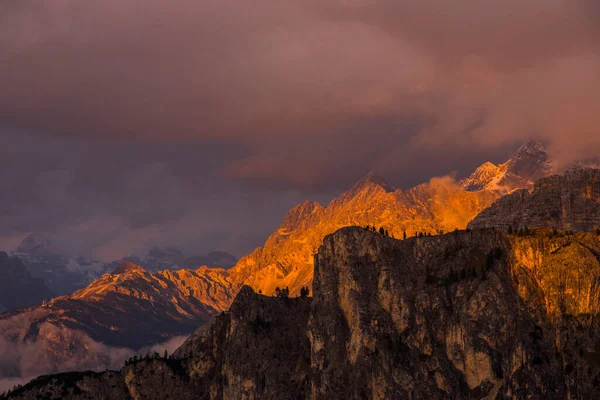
<point x="125" y="123"/>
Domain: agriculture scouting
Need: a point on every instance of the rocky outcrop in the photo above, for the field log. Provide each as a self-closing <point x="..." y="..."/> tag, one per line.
<point x="564" y="202"/>
<point x="465" y="315"/>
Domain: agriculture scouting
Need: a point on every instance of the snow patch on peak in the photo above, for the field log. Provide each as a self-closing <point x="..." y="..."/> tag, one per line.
<point x="527" y="165"/>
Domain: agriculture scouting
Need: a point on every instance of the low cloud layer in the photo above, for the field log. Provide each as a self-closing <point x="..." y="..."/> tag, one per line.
<point x="58" y="349"/>
<point x="151" y="113"/>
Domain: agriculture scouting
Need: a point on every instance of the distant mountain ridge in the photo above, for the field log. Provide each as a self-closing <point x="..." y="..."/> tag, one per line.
<point x="17" y="287"/>
<point x="127" y="309"/>
<point x="64" y="273"/>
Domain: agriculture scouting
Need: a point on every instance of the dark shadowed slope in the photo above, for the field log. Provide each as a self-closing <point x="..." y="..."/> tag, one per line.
<point x="17" y="287"/>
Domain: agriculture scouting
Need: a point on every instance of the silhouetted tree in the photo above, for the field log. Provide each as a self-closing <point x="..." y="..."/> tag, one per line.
<point x="277" y="292"/>
<point x="489" y="263"/>
<point x="387" y="233"/>
<point x="259" y="291"/>
<point x="498" y="253"/>
<point x="404" y="235"/>
<point x="428" y="277"/>
<point x="166" y="355"/>
<point x="421" y="234"/>
<point x="381" y="231"/>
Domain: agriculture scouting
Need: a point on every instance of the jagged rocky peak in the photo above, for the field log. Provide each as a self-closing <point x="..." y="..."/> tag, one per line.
<point x="299" y="213"/>
<point x="370" y="184"/>
<point x="564" y="202"/>
<point x="159" y="259"/>
<point x="35" y="244"/>
<point x="372" y="179"/>
<point x="482" y="176"/>
<point x="157" y="252"/>
<point x="529" y="163"/>
<point x="126" y="267"/>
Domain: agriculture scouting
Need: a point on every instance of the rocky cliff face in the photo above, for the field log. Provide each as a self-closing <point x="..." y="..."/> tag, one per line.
<point x="565" y="202"/>
<point x="465" y="315"/>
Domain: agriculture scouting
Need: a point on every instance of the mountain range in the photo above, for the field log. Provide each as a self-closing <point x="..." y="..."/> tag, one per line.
<point x="479" y="314"/>
<point x="64" y="273"/>
<point x="133" y="306"/>
<point x="441" y="205"/>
